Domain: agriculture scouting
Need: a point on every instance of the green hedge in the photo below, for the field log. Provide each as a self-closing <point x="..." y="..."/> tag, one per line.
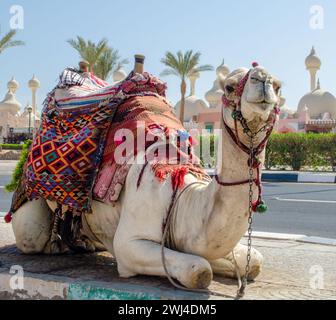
<point x="295" y="151"/>
<point x="17" y="174"/>
<point x="298" y="150"/>
<point x="11" y="146"/>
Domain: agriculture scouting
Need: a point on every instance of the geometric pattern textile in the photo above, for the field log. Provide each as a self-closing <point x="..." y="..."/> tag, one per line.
<point x="66" y="153"/>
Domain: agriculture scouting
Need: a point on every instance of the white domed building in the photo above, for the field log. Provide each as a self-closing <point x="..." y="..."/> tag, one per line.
<point x="193" y="105"/>
<point x="316" y="110"/>
<point x="12" y="122"/>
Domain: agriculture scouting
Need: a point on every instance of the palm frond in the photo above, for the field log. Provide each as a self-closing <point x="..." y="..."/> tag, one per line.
<point x="169" y="72"/>
<point x="7" y="42"/>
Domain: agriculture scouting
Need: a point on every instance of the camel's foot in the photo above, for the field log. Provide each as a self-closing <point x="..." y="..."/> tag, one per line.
<point x="144" y="257"/>
<point x="232" y="264"/>
<point x="32" y="225"/>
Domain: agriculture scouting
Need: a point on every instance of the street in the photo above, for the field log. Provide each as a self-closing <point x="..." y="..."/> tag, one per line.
<point x="308" y="209"/>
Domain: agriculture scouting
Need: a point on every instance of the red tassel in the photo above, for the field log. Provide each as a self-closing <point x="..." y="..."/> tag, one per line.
<point x="178" y="177"/>
<point x="8" y="217"/>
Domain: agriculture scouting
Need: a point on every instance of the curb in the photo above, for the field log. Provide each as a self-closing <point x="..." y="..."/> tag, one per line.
<point x="49" y="287"/>
<point x="293" y="177"/>
<point x="301" y="177"/>
<point x="294" y="237"/>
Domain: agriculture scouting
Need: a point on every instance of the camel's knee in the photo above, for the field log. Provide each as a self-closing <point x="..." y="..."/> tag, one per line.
<point x="136" y="257"/>
<point x="32" y="227"/>
<point x="235" y="264"/>
<point x="256" y="262"/>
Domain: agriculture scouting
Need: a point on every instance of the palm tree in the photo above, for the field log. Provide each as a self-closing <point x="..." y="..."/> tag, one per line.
<point x="8" y="42"/>
<point x="89" y="50"/>
<point x="103" y="59"/>
<point x="108" y="62"/>
<point x="183" y="66"/>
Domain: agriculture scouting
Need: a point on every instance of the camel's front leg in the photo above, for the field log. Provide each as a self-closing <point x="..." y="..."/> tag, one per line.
<point x="143" y="257"/>
<point x="229" y="265"/>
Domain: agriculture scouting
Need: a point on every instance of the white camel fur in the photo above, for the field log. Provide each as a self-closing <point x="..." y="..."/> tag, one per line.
<point x="208" y="222"/>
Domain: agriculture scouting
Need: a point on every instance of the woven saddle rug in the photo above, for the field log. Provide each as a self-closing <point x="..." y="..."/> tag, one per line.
<point x="73" y="156"/>
<point x="145" y="126"/>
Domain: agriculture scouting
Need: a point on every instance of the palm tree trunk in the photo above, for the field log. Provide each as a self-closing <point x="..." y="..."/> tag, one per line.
<point x="183" y="93"/>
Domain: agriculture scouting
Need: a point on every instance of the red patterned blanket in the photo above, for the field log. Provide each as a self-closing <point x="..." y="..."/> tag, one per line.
<point x="146" y="126"/>
<point x="86" y="145"/>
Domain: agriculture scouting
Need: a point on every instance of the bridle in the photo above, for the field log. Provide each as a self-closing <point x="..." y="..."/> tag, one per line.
<point x="253" y="152"/>
<point x="253" y="161"/>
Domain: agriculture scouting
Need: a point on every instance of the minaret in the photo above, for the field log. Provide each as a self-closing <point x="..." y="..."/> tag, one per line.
<point x="313" y="64"/>
<point x="34" y="84"/>
<point x="214" y="96"/>
<point x="192" y="79"/>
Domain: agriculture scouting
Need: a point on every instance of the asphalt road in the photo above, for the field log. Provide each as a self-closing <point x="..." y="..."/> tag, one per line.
<point x="308" y="209"/>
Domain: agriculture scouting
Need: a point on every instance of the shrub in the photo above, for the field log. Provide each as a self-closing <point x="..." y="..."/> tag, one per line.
<point x="297" y="150"/>
<point x="11" y="146"/>
<point x="16" y="177"/>
<point x="300" y="149"/>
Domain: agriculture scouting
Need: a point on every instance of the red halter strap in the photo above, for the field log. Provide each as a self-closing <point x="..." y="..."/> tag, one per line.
<point x="235" y="138"/>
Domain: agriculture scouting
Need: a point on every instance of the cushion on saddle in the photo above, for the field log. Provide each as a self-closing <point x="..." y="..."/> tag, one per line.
<point x="73" y="155"/>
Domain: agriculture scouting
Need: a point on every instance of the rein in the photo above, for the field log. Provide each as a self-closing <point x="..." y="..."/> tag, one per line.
<point x="253" y="164"/>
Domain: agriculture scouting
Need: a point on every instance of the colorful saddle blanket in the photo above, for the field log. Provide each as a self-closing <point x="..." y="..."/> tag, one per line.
<point x="73" y="156"/>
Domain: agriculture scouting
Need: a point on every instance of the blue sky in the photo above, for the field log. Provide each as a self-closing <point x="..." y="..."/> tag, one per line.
<point x="276" y="34"/>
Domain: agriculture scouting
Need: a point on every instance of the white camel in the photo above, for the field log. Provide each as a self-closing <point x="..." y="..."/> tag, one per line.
<point x="208" y="222"/>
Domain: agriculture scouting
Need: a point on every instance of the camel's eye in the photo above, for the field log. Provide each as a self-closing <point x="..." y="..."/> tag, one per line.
<point x="229" y="89"/>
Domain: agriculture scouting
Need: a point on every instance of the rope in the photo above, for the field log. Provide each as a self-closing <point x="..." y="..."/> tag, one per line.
<point x="164" y="238"/>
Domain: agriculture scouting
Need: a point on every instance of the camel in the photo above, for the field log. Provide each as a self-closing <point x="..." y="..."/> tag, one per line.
<point x="208" y="220"/>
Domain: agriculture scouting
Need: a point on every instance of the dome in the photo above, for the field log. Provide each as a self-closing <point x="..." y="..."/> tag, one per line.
<point x="313" y="61"/>
<point x="34" y="83"/>
<point x="12" y="85"/>
<point x="223" y="70"/>
<point x="318" y="103"/>
<point x="119" y="75"/>
<point x="10" y="104"/>
<point x="215" y="94"/>
<point x="193" y="107"/>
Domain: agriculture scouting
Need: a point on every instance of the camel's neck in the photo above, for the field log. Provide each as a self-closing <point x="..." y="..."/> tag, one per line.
<point x="233" y="161"/>
<point x="226" y="220"/>
<point x="219" y="213"/>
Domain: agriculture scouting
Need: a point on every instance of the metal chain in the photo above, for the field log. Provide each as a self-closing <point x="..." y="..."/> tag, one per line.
<point x="241" y="291"/>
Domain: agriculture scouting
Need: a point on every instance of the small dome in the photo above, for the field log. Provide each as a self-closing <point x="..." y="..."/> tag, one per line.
<point x="193" y="107"/>
<point x="313" y="61"/>
<point x="223" y="70"/>
<point x="34" y="83"/>
<point x="119" y="75"/>
<point x="12" y="85"/>
<point x="10" y="104"/>
<point x="318" y="102"/>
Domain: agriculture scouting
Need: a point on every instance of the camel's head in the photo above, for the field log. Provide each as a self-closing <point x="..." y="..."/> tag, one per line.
<point x="254" y="92"/>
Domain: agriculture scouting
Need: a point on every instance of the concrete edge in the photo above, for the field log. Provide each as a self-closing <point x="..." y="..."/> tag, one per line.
<point x="293" y="237"/>
<point x="50" y="287"/>
<point x="293" y="177"/>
